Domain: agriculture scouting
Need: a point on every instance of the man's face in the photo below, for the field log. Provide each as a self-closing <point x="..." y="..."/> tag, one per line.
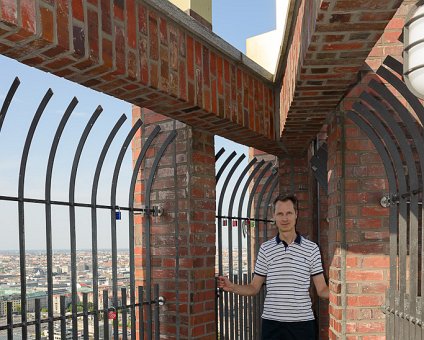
<point x="285" y="216"/>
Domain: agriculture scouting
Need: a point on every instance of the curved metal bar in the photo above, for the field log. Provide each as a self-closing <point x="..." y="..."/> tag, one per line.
<point x="219" y="153"/>
<point x="398" y="165"/>
<point x="246" y="185"/>
<point x="400" y="86"/>
<point x="72" y="181"/>
<point x="8" y="100"/>
<point x="249" y="210"/>
<point x="94" y="188"/>
<point x="393" y="216"/>
<point x="259" y="297"/>
<point x="266" y="206"/>
<point x="115" y="176"/>
<point x="230" y="246"/>
<point x="239" y="236"/>
<point x="258" y="204"/>
<point x="136" y="169"/>
<point x="268" y="200"/>
<point x="247" y="315"/>
<point x="48" y="208"/>
<point x="255" y="187"/>
<point x="21" y="205"/>
<point x="411" y="125"/>
<point x="224" y="165"/>
<point x="159" y="155"/>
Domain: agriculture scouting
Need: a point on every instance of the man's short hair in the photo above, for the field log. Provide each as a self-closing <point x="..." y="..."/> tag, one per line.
<point x="286" y="198"/>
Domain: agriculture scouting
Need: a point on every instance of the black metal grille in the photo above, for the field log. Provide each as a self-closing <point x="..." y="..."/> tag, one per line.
<point x="394" y="131"/>
<point x="142" y="300"/>
<point x="240" y="317"/>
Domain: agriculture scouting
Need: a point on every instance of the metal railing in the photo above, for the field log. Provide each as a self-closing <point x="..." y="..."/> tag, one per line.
<point x="143" y="295"/>
<point x="239" y="317"/>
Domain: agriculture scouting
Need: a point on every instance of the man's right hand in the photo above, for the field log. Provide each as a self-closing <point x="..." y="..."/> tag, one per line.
<point x="225" y="284"/>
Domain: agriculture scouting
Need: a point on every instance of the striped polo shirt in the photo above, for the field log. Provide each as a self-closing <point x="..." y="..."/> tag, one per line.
<point x="288" y="269"/>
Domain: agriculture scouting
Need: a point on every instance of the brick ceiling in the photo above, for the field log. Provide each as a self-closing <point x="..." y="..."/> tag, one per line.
<point x="345" y="33"/>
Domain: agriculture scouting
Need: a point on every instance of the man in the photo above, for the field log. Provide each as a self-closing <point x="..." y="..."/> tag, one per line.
<point x="286" y="262"/>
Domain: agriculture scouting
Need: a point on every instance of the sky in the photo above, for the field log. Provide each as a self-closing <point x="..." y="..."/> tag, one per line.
<point x="249" y="17"/>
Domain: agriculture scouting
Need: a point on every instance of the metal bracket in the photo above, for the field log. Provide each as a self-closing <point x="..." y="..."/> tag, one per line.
<point x="154" y="211"/>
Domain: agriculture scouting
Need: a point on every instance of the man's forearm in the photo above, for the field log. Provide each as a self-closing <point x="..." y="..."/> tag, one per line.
<point x="245" y="290"/>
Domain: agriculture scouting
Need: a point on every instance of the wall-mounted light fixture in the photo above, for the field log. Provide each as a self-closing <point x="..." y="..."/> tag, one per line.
<point x="413" y="52"/>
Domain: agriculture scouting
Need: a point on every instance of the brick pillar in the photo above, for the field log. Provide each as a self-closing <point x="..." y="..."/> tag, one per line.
<point x="183" y="239"/>
<point x="359" y="240"/>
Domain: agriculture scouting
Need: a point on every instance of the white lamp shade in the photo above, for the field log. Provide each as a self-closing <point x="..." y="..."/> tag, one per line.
<point x="414" y="52"/>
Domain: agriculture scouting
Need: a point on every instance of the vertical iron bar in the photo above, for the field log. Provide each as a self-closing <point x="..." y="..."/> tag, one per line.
<point x="85" y="317"/>
<point x="239" y="224"/>
<point x="37" y="319"/>
<point x="255" y="313"/>
<point x="21" y="207"/>
<point x="157" y="324"/>
<point x="136" y="169"/>
<point x="62" y="317"/>
<point x="240" y="208"/>
<point x="259" y="298"/>
<point x="169" y="139"/>
<point x="124" y="313"/>
<point x="48" y="210"/>
<point x="222" y="294"/>
<point x="393" y="216"/>
<point x="245" y="318"/>
<point x="94" y="188"/>
<point x="140" y="312"/>
<point x="9" y="305"/>
<point x="72" y="230"/>
<point x="106" y="314"/>
<point x="418" y="141"/>
<point x="413" y="185"/>
<point x="229" y="297"/>
<point x="115" y="176"/>
<point x="177" y="241"/>
<point x="398" y="164"/>
<point x="236" y="310"/>
<point x="8" y="100"/>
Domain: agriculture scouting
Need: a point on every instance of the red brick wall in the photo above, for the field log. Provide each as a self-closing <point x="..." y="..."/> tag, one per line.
<point x="365" y="262"/>
<point x="183" y="239"/>
<point x="133" y="52"/>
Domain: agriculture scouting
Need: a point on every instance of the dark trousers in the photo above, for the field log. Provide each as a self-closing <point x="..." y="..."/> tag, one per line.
<point x="275" y="330"/>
